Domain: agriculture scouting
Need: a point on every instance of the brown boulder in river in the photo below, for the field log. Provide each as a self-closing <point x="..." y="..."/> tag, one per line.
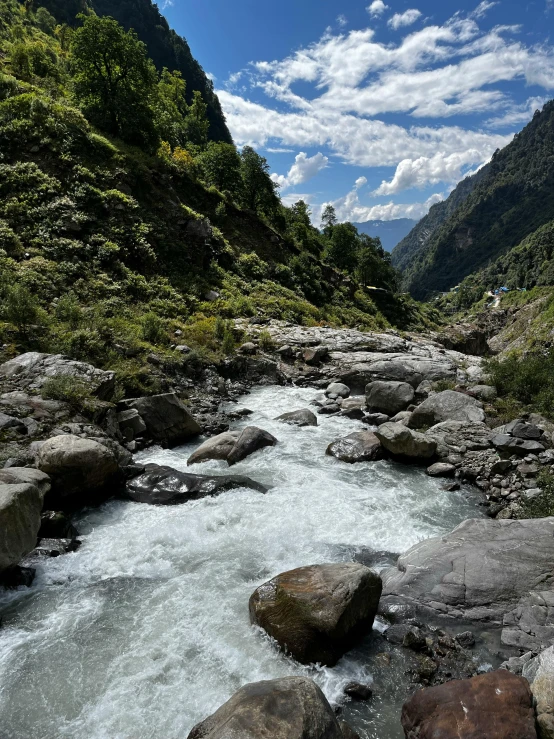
<point x="318" y="613"/>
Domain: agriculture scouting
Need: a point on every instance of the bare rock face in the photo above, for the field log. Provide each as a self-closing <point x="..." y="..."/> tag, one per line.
<point x="401" y="441"/>
<point x="389" y="397"/>
<point x="299" y="418"/>
<point x="361" y="446"/>
<point x="498" y="705"/>
<point x="161" y="485"/>
<point x="318" y="613"/>
<point x="447" y="406"/>
<point x="20" y="507"/>
<point x="76" y="466"/>
<point x="33" y="369"/>
<point x="166" y="418"/>
<point x="287" y="708"/>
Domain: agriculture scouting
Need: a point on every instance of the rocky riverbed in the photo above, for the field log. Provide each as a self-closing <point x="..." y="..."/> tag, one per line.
<point x="352" y="448"/>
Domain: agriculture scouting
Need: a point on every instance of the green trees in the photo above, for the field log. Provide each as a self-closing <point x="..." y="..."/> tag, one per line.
<point x="328" y="219"/>
<point x="258" y="189"/>
<point x="343" y="246"/>
<point x="170" y="108"/>
<point x="115" y="81"/>
<point x="196" y="123"/>
<point x="221" y="166"/>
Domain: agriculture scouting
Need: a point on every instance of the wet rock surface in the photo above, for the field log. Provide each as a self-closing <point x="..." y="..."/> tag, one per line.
<point x="401" y="441"/>
<point x="360" y="446"/>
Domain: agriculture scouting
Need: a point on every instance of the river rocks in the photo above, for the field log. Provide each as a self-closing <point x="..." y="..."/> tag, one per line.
<point x="479" y="571"/>
<point x="26" y="476"/>
<point x="20" y="506"/>
<point x="540" y="673"/>
<point x="76" y="466"/>
<point x="251" y="440"/>
<point x="460" y="437"/>
<point x="286" y="708"/>
<point x="497" y="705"/>
<point x="488" y="393"/>
<point x="299" y="418"/>
<point x="167" y="420"/>
<point x="361" y="446"/>
<point x="218" y="447"/>
<point x="447" y="406"/>
<point x="315" y="355"/>
<point x="465" y="338"/>
<point x="33" y="369"/>
<point x="401" y="441"/>
<point x="130" y="424"/>
<point x="338" y="390"/>
<point x="389" y="397"/>
<point x="358" y="691"/>
<point x="56" y="525"/>
<point x="318" y="613"/>
<point x="441" y="469"/>
<point x="521" y="447"/>
<point x="162" y="485"/>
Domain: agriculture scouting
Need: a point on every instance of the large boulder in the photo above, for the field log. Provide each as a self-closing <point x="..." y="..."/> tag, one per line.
<point x="540" y="673"/>
<point x="218" y="447"/>
<point x="338" y="389"/>
<point x="389" y="397"/>
<point x="251" y="440"/>
<point x="318" y="613"/>
<point x="459" y="437"/>
<point x="287" y="708"/>
<point x="400" y="441"/>
<point x="33" y="369"/>
<point x="447" y="406"/>
<point x="161" y="485"/>
<point x="166" y="418"/>
<point x="26" y="476"/>
<point x="20" y="507"/>
<point x="479" y="571"/>
<point x="497" y="705"/>
<point x="76" y="466"/>
<point x="361" y="446"/>
<point x="299" y="418"/>
<point x="512" y="445"/>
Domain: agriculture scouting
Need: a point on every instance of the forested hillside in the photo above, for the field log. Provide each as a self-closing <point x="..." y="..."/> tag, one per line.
<point x="121" y="222"/>
<point x="165" y="47"/>
<point x="389" y="232"/>
<point x="513" y="199"/>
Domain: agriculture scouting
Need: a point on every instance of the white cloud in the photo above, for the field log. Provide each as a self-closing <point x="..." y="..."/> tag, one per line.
<point x="376" y="8"/>
<point x="483" y="8"/>
<point x="279" y="150"/>
<point x="360" y="182"/>
<point x="407" y="18"/>
<point x="517" y="114"/>
<point x="341" y="20"/>
<point x="303" y="169"/>
<point x="428" y="171"/>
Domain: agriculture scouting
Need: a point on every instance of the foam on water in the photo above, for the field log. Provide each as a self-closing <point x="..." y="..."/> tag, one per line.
<point x="144" y="631"/>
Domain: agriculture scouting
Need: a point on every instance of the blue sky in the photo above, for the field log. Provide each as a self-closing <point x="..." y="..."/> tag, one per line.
<point x="379" y="107"/>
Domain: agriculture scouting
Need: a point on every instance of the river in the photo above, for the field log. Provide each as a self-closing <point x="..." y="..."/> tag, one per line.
<point x="144" y="631"/>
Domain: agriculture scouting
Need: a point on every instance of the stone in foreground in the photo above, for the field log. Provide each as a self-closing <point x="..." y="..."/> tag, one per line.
<point x="361" y="446"/>
<point x="76" y="466"/>
<point x="401" y="441"/>
<point x="447" y="406"/>
<point x="20" y="506"/>
<point x="299" y="418"/>
<point x="497" y="705"/>
<point x="389" y="397"/>
<point x="287" y="708"/>
<point x="318" y="613"/>
<point x="540" y="673"/>
<point x="166" y="418"/>
<point x="233" y="446"/>
<point x="218" y="447"/>
<point x="160" y="485"/>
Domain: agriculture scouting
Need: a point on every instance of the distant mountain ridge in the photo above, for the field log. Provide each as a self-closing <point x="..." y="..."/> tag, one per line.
<point x="486" y="216"/>
<point x="390" y="232"/>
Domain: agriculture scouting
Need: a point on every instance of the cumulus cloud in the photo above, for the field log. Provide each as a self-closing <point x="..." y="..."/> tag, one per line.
<point x="517" y="114"/>
<point x="407" y="18"/>
<point x="377" y="8"/>
<point x="303" y="169"/>
<point x="426" y="171"/>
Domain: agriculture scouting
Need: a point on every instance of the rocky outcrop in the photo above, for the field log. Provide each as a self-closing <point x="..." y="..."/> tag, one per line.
<point x="299" y="418"/>
<point x="480" y="571"/>
<point x="161" y="485"/>
<point x="287" y="708"/>
<point x="400" y="441"/>
<point x="318" y="613"/>
<point x="389" y="397"/>
<point x="522" y="447"/>
<point x="540" y="673"/>
<point x="20" y="507"/>
<point x="361" y="446"/>
<point x="497" y="705"/>
<point x="77" y="467"/>
<point x="167" y="420"/>
<point x="447" y="406"/>
<point x="466" y="339"/>
<point x="33" y="369"/>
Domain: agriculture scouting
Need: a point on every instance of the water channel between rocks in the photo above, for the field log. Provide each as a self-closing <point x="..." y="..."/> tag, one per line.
<point x="145" y="631"/>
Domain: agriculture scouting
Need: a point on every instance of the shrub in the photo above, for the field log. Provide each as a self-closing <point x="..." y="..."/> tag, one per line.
<point x="228" y="343"/>
<point x="69" y="310"/>
<point x="68" y="389"/>
<point x="266" y="341"/>
<point x="529" y="380"/>
<point x="542" y="506"/>
<point x="21" y="308"/>
<point x="153" y="329"/>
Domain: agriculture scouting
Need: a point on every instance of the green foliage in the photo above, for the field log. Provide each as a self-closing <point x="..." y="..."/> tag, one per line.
<point x="258" y="190"/>
<point x="153" y="329"/>
<point x="265" y="341"/>
<point x="529" y="380"/>
<point x="196" y="122"/>
<point x="20" y="308"/>
<point x="115" y="81"/>
<point x="67" y="389"/>
<point x="45" y="21"/>
<point x="170" y="108"/>
<point x="220" y="165"/>
<point x="541" y="506"/>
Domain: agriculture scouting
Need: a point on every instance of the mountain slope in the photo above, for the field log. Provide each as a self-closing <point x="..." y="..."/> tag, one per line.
<point x="390" y="232"/>
<point x="165" y="47"/>
<point x="514" y="198"/>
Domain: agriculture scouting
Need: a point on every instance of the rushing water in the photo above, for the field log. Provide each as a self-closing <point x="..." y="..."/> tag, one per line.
<point x="144" y="631"/>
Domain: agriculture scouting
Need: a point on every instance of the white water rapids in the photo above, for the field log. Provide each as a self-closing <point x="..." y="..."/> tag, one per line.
<point x="145" y="630"/>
